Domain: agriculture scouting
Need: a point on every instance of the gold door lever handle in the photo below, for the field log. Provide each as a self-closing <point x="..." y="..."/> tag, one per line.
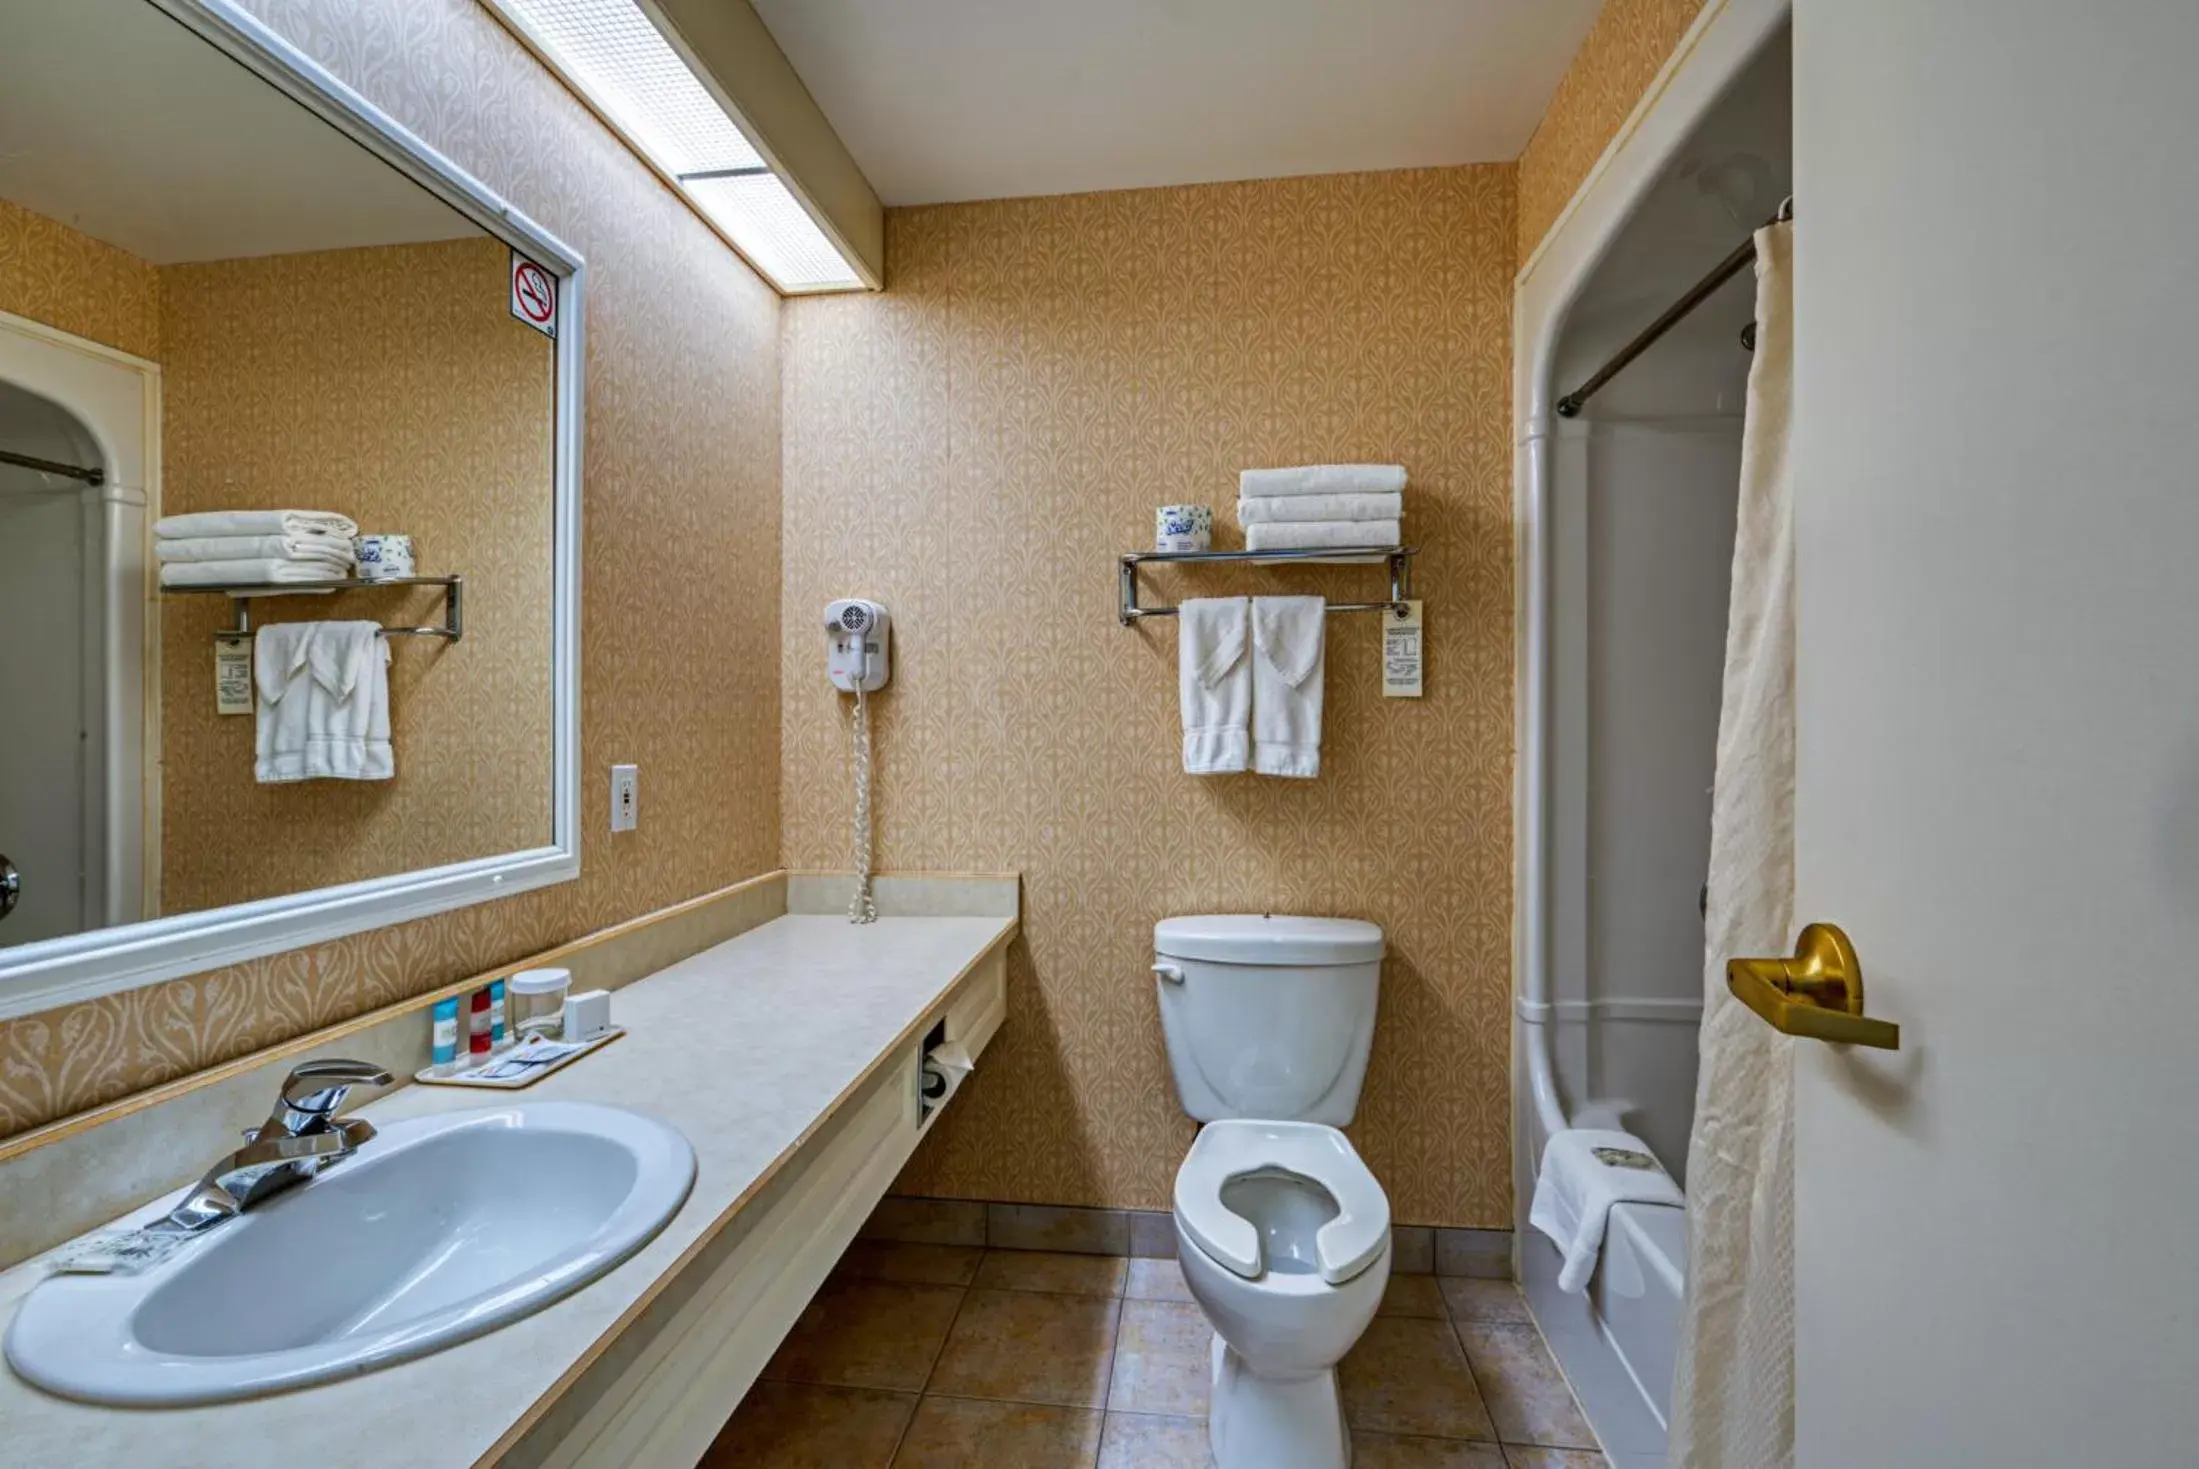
<point x="1818" y="993"/>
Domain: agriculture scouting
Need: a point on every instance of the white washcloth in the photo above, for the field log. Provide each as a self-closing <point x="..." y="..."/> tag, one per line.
<point x="1267" y="508"/>
<point x="1584" y="1172"/>
<point x="1214" y="683"/>
<point x="1322" y="479"/>
<point x="1289" y="649"/>
<point x="323" y="709"/>
<point x="254" y="548"/>
<point x="1309" y="535"/>
<point x="255" y="523"/>
<point x="265" y="569"/>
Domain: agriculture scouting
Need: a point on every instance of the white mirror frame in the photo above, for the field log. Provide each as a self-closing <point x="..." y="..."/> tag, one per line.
<point x="60" y="971"/>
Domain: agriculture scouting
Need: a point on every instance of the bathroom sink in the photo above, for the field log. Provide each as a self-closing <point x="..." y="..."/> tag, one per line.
<point x="440" y="1229"/>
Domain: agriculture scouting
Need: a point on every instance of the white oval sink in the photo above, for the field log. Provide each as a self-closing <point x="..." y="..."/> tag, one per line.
<point x="439" y="1229"/>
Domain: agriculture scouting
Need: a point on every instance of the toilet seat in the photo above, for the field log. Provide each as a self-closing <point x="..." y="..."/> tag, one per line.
<point x="1343" y="1247"/>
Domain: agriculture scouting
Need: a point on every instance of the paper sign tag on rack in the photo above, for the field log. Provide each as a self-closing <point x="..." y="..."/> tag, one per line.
<point x="1402" y="653"/>
<point x="534" y="295"/>
<point x="232" y="673"/>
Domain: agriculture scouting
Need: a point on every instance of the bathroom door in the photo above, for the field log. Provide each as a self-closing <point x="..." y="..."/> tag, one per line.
<point x="1997" y="526"/>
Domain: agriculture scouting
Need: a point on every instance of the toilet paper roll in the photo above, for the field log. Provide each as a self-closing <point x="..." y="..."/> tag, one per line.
<point x="944" y="1068"/>
<point x="1183" y="528"/>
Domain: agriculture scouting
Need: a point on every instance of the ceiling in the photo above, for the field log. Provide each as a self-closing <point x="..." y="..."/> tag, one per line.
<point x="984" y="99"/>
<point x="124" y="125"/>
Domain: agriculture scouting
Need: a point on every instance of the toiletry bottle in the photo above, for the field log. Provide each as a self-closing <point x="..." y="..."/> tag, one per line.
<point x="477" y="1032"/>
<point x="444" y="1037"/>
<point x="499" y="1037"/>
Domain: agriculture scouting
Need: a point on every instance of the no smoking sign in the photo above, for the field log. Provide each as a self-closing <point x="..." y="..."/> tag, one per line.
<point x="534" y="295"/>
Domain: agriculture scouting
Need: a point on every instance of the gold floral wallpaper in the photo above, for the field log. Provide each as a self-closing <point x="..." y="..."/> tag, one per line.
<point x="74" y="283"/>
<point x="680" y="603"/>
<point x="1615" y="64"/>
<point x="429" y="412"/>
<point x="974" y="446"/>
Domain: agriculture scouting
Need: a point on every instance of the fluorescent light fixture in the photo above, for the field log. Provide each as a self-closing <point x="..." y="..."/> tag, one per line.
<point x="614" y="56"/>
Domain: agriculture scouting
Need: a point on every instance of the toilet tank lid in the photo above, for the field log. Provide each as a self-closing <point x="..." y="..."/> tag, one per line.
<point x="1268" y="938"/>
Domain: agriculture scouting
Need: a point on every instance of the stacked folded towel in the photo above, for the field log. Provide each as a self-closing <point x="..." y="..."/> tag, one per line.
<point x="1319" y="505"/>
<point x="225" y="547"/>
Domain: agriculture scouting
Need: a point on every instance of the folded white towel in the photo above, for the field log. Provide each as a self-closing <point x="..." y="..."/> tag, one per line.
<point x="263" y="569"/>
<point x="1322" y="479"/>
<point x="1309" y="535"/>
<point x="1214" y="683"/>
<point x="1584" y="1172"/>
<point x="323" y="708"/>
<point x="1289" y="650"/>
<point x="255" y="548"/>
<point x="255" y="523"/>
<point x="1268" y="508"/>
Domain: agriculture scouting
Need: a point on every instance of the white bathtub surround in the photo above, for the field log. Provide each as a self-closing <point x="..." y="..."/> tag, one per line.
<point x="1267" y="509"/>
<point x="807" y="1100"/>
<point x="1322" y="479"/>
<point x="1290" y="655"/>
<point x="1585" y="1173"/>
<point x="1214" y="683"/>
<point x="1733" y="1393"/>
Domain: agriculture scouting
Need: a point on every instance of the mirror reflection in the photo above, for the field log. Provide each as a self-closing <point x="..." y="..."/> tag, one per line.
<point x="276" y="495"/>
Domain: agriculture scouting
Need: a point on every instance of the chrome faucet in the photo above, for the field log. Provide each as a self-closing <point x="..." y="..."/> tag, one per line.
<point x="301" y="1136"/>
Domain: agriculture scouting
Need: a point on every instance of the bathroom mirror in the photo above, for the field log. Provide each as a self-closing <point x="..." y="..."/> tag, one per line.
<point x="231" y="288"/>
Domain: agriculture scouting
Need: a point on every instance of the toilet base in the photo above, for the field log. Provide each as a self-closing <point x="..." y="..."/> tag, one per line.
<point x="1257" y="1422"/>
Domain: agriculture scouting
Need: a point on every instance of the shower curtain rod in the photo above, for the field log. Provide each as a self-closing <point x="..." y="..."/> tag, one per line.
<point x="1569" y="406"/>
<point x="50" y="466"/>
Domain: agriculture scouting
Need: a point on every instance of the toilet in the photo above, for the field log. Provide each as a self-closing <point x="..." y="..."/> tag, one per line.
<point x="1281" y="1229"/>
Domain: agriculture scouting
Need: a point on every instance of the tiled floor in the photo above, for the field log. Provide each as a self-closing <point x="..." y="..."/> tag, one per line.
<point x="951" y="1357"/>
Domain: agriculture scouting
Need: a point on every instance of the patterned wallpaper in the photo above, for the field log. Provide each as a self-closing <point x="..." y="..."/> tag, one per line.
<point x="74" y="283"/>
<point x="1616" y="63"/>
<point x="975" y="445"/>
<point x="682" y="502"/>
<point x="427" y="412"/>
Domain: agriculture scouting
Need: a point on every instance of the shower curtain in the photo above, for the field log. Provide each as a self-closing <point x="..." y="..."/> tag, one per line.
<point x="1733" y="1389"/>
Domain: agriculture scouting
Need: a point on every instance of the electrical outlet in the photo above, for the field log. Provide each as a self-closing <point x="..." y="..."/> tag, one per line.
<point x="625" y="797"/>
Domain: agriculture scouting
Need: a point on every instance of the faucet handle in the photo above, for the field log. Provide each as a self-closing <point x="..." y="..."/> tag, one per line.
<point x="313" y="1092"/>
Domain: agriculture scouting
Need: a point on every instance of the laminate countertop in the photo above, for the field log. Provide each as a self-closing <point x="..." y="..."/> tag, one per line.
<point x="746" y="1048"/>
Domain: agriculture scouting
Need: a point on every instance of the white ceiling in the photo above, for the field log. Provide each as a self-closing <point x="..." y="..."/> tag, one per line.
<point x="122" y="124"/>
<point x="983" y="99"/>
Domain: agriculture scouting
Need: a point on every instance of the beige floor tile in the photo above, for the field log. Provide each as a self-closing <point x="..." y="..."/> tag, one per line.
<point x="910" y="1264"/>
<point x="1069" y="1275"/>
<point x="1163" y="1359"/>
<point x="1408" y="1375"/>
<point x="1029" y="1348"/>
<point x="867" y="1333"/>
<point x="1156" y="1280"/>
<point x="1153" y="1441"/>
<point x="1519" y="1457"/>
<point x="1400" y="1451"/>
<point x="957" y="1433"/>
<point x="1527" y="1396"/>
<point x="791" y="1425"/>
<point x="1413" y="1295"/>
<point x="1484" y="1300"/>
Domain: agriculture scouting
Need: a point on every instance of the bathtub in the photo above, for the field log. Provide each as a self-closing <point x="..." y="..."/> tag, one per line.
<point x="1618" y="1342"/>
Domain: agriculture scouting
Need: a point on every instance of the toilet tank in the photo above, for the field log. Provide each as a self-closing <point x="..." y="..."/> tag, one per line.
<point x="1268" y="1016"/>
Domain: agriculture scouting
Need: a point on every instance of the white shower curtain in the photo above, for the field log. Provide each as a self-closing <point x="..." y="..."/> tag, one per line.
<point x="1733" y="1390"/>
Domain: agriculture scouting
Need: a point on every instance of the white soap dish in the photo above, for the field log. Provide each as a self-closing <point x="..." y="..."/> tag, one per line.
<point x="498" y="1073"/>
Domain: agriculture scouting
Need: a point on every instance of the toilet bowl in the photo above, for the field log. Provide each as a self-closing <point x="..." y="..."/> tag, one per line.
<point x="1284" y="1240"/>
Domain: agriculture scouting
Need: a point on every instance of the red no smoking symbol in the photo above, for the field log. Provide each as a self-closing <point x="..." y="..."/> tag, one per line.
<point x="532" y="289"/>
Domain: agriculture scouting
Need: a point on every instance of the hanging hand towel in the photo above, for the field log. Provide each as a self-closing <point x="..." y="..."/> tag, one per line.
<point x="1584" y="1172"/>
<point x="256" y="523"/>
<point x="1322" y="479"/>
<point x="1309" y="535"/>
<point x="254" y="548"/>
<point x="1268" y="508"/>
<point x="1214" y="683"/>
<point x="323" y="702"/>
<point x="1288" y="654"/>
<point x="265" y="569"/>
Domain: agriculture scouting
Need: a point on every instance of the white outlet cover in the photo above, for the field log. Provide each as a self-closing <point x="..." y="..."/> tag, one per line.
<point x="625" y="797"/>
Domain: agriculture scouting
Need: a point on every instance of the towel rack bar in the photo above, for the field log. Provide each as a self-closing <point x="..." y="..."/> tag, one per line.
<point x="241" y="595"/>
<point x="1398" y="558"/>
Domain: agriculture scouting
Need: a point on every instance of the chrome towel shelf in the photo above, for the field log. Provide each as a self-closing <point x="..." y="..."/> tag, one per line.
<point x="241" y="595"/>
<point x="1398" y="558"/>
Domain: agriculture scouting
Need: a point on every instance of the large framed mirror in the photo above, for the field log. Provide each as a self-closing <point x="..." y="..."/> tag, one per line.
<point x="290" y="437"/>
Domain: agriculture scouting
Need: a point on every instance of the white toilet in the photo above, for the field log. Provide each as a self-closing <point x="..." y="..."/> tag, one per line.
<point x="1283" y="1233"/>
